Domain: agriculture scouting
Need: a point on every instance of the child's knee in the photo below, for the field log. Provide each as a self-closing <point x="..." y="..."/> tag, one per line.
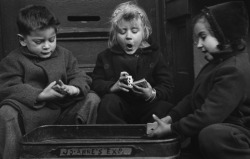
<point x="210" y="138"/>
<point x="111" y="98"/>
<point x="93" y="97"/>
<point x="111" y="103"/>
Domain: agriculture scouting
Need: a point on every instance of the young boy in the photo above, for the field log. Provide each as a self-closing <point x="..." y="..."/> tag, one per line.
<point x="131" y="56"/>
<point x="216" y="114"/>
<point x="40" y="82"/>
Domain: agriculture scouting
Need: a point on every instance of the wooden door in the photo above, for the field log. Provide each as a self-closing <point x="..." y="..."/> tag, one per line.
<point x="179" y="45"/>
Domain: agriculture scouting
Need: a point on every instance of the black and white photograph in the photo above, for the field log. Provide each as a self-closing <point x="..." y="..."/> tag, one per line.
<point x="124" y="79"/>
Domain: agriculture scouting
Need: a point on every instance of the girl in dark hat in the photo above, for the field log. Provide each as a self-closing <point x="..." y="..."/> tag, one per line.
<point x="216" y="113"/>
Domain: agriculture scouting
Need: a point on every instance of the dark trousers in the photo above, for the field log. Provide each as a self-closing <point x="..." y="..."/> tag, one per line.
<point x="224" y="141"/>
<point x="114" y="109"/>
<point x="11" y="134"/>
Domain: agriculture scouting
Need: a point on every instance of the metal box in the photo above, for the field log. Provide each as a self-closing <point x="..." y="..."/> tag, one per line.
<point x="96" y="141"/>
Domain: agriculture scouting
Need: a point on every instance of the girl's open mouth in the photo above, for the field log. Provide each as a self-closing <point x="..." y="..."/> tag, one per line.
<point x="129" y="46"/>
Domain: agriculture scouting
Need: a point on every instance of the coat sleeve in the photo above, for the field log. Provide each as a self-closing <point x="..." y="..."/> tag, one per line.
<point x="12" y="84"/>
<point x="182" y="109"/>
<point x="76" y="76"/>
<point x="100" y="84"/>
<point x="163" y="79"/>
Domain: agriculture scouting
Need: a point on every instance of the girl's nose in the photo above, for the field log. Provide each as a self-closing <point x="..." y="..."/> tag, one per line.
<point x="128" y="35"/>
<point x="199" y="44"/>
<point x="46" y="45"/>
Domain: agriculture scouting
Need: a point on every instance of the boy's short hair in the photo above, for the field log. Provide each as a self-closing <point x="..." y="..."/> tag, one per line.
<point x="128" y="11"/>
<point x="33" y="17"/>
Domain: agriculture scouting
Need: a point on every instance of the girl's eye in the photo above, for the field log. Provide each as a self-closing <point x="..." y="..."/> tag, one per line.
<point x="122" y="31"/>
<point x="134" y="30"/>
<point x="203" y="37"/>
<point x="52" y="39"/>
<point x="38" y="42"/>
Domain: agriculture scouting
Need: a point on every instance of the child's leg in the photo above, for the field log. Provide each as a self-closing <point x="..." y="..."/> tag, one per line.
<point x="159" y="108"/>
<point x="10" y="134"/>
<point x="110" y="110"/>
<point x="82" y="112"/>
<point x="225" y="141"/>
<point x="87" y="114"/>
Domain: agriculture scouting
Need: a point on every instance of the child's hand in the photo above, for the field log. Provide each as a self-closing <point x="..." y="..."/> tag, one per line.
<point x="120" y="85"/>
<point x="145" y="93"/>
<point x="66" y="89"/>
<point x="152" y="126"/>
<point x="167" y="120"/>
<point x="71" y="90"/>
<point x="161" y="130"/>
<point x="49" y="93"/>
<point x="59" y="87"/>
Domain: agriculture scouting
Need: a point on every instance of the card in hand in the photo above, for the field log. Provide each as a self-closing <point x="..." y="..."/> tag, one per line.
<point x="58" y="89"/>
<point x="141" y="83"/>
<point x="151" y="127"/>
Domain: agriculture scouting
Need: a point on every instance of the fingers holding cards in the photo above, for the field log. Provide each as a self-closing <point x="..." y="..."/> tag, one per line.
<point x="59" y="87"/>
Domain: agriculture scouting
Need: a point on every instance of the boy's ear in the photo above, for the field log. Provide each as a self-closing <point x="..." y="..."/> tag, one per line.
<point x="21" y="39"/>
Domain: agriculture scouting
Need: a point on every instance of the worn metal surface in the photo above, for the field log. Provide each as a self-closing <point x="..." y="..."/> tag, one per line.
<point x="96" y="141"/>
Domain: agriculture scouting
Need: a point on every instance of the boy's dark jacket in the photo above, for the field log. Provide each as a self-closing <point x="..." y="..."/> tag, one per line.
<point x="23" y="76"/>
<point x="221" y="94"/>
<point x="145" y="63"/>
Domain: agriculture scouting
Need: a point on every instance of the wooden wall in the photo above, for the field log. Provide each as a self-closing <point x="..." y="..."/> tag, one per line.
<point x="179" y="45"/>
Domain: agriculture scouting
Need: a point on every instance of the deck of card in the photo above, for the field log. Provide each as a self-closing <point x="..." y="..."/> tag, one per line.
<point x="129" y="80"/>
<point x="141" y="83"/>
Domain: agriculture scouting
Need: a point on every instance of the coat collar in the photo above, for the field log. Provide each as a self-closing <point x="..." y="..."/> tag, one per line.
<point x="223" y="56"/>
<point x="118" y="50"/>
<point x="28" y="54"/>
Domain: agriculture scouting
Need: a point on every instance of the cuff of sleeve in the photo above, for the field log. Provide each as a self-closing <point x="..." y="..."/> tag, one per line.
<point x="153" y="96"/>
<point x="79" y="91"/>
<point x="175" y="130"/>
<point x="109" y="85"/>
<point x="39" y="105"/>
<point x="174" y="116"/>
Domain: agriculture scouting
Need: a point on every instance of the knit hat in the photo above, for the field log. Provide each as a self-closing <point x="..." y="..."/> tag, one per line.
<point x="229" y="21"/>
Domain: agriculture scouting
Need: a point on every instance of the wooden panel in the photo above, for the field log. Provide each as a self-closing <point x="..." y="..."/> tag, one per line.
<point x="183" y="58"/>
<point x="179" y="47"/>
<point x="1" y="36"/>
<point x="65" y="9"/>
<point x="8" y="13"/>
<point x="85" y="51"/>
<point x="177" y="8"/>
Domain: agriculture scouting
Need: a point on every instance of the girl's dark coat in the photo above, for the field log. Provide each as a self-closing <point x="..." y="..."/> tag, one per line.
<point x="221" y="93"/>
<point x="145" y="63"/>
